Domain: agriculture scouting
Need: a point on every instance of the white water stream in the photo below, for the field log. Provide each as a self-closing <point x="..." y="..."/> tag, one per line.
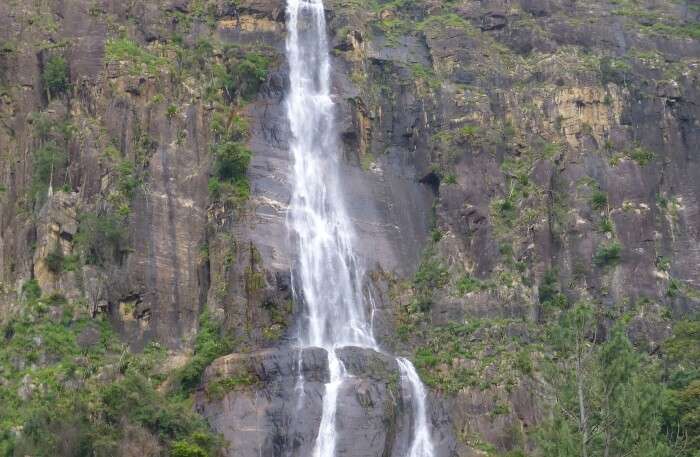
<point x="328" y="273"/>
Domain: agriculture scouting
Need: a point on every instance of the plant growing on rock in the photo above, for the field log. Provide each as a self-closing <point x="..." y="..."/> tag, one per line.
<point x="55" y="76"/>
<point x="608" y="255"/>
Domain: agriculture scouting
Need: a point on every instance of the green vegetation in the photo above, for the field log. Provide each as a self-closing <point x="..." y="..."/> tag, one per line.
<point x="101" y="238"/>
<point x="453" y="358"/>
<point x="608" y="254"/>
<point x="242" y="73"/>
<point x="55" y="76"/>
<point x="612" y="400"/>
<point x="431" y="275"/>
<point x="209" y="344"/>
<point x="599" y="200"/>
<point x="230" y="183"/>
<point x="49" y="161"/>
<point x="640" y="155"/>
<point x="468" y="284"/>
<point x="69" y="395"/>
<point x="138" y="59"/>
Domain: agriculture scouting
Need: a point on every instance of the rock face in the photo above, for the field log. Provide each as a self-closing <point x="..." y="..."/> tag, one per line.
<point x="504" y="151"/>
<point x="276" y="411"/>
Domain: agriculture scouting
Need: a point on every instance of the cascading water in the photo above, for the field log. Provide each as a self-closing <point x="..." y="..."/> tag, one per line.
<point x="329" y="274"/>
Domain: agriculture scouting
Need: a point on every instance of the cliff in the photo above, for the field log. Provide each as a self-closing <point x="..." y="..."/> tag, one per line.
<point x="504" y="162"/>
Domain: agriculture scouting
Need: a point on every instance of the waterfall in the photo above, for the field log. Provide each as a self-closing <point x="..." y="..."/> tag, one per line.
<point x="422" y="445"/>
<point x="327" y="272"/>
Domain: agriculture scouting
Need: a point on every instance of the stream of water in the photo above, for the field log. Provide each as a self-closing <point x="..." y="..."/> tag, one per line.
<point x="329" y="275"/>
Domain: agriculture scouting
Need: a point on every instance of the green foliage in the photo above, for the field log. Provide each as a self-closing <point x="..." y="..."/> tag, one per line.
<point x="85" y="400"/>
<point x="31" y="290"/>
<point x="608" y="399"/>
<point x="606" y="225"/>
<point x="468" y="284"/>
<point x="616" y="71"/>
<point x="187" y="449"/>
<point x="219" y="388"/>
<point x="138" y="59"/>
<point x="171" y="111"/>
<point x="230" y="165"/>
<point x="641" y="155"/>
<point x="209" y="344"/>
<point x="681" y="417"/>
<point x="55" y="260"/>
<point x="231" y="161"/>
<point x="55" y="75"/>
<point x="608" y="254"/>
<point x="599" y="200"/>
<point x="431" y="275"/>
<point x="243" y="73"/>
<point x="101" y="238"/>
<point x="549" y="292"/>
<point x="48" y="162"/>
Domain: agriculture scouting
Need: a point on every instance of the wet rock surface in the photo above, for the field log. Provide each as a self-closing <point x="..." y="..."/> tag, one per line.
<point x="279" y="413"/>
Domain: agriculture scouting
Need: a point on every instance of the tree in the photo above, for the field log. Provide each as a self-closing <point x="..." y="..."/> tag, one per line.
<point x="55" y="76"/>
<point x="609" y="399"/>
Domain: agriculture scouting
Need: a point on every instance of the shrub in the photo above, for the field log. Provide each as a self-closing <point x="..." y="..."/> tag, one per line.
<point x="171" y="111"/>
<point x="599" y="200"/>
<point x="48" y="161"/>
<point x="431" y="275"/>
<point x="242" y="76"/>
<point x="606" y="225"/>
<point x="55" y="259"/>
<point x="209" y="344"/>
<point x="468" y="284"/>
<point x="232" y="161"/>
<point x="55" y="75"/>
<point x="31" y="290"/>
<point x="101" y="238"/>
<point x="186" y="449"/>
<point x="641" y="155"/>
<point x="608" y="255"/>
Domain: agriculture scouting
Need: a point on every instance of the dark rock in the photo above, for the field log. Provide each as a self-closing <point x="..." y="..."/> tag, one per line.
<point x="493" y="21"/>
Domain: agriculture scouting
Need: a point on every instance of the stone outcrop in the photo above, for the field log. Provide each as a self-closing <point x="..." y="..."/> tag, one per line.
<point x="272" y="405"/>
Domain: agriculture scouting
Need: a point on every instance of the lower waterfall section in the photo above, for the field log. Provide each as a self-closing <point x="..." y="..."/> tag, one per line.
<point x="325" y="441"/>
<point x="422" y="445"/>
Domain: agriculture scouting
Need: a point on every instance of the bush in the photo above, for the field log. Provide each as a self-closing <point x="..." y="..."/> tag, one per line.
<point x="599" y="200"/>
<point x="55" y="260"/>
<point x="208" y="345"/>
<point x="641" y="155"/>
<point x="101" y="238"/>
<point x="232" y="161"/>
<point x="31" y="290"/>
<point x="187" y="449"/>
<point x="468" y="284"/>
<point x="48" y="161"/>
<point x="608" y="255"/>
<point x="55" y="75"/>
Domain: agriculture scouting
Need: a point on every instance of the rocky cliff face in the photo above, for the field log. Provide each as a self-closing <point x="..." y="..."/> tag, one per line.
<point x="497" y="154"/>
